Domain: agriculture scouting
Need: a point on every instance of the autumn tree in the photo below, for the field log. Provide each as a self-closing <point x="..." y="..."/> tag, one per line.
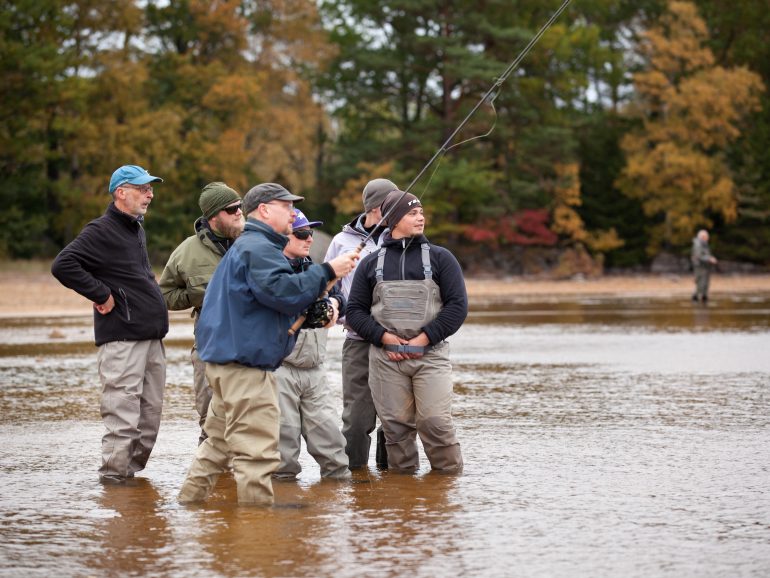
<point x="194" y="90"/>
<point x="408" y="72"/>
<point x="235" y="75"/>
<point x="48" y="58"/>
<point x="741" y="36"/>
<point x="690" y="110"/>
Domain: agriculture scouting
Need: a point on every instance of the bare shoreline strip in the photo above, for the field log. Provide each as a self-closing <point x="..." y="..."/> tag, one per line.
<point x="38" y="294"/>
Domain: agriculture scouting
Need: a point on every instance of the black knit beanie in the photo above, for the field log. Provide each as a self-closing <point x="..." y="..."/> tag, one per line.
<point x="396" y="205"/>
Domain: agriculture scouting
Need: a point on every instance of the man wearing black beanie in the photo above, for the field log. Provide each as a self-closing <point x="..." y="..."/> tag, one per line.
<point x="407" y="298"/>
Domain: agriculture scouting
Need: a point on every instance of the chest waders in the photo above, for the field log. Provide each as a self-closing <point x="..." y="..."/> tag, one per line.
<point x="404" y="307"/>
<point x="413" y="396"/>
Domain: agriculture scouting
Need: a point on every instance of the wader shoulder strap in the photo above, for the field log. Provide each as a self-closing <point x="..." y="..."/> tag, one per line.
<point x="380" y="265"/>
<point x="426" y="261"/>
<point x="426" y="268"/>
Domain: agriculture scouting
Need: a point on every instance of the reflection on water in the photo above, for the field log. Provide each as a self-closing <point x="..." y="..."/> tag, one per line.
<point x="133" y="533"/>
<point x="601" y="438"/>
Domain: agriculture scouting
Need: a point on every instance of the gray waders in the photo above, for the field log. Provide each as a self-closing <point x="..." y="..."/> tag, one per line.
<point x="413" y="396"/>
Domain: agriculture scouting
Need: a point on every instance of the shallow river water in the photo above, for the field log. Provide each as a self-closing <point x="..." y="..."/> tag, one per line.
<point x="600" y="437"/>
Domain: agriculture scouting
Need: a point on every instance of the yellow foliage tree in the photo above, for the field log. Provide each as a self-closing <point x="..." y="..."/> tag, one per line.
<point x="566" y="221"/>
<point x="259" y="111"/>
<point x="690" y="111"/>
<point x="566" y="195"/>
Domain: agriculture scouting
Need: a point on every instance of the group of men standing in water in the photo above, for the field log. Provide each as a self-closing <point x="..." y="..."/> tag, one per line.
<point x="262" y="309"/>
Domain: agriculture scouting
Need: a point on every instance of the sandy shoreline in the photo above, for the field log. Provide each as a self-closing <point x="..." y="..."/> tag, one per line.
<point x="32" y="291"/>
<point x="620" y="286"/>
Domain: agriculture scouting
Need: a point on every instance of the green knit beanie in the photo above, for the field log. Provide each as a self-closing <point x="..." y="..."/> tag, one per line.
<point x="215" y="197"/>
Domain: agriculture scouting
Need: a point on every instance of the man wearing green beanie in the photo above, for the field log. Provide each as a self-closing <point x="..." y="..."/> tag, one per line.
<point x="191" y="265"/>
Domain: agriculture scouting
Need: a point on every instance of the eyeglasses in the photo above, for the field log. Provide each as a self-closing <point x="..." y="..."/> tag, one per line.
<point x="287" y="204"/>
<point x="144" y="189"/>
<point x="232" y="209"/>
<point x="303" y="235"/>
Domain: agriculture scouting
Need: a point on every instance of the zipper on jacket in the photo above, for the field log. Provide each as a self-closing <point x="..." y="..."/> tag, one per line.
<point x="403" y="259"/>
<point x="125" y="300"/>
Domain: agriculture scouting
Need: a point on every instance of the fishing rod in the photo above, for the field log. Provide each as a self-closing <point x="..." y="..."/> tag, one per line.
<point x="488" y="98"/>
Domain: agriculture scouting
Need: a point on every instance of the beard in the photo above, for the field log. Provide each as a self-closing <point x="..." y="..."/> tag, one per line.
<point x="231" y="232"/>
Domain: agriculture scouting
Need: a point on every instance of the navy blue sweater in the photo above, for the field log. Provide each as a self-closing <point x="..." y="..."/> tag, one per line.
<point x="109" y="257"/>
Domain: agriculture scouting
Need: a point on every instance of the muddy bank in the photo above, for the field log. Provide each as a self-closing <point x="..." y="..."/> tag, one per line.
<point x="28" y="289"/>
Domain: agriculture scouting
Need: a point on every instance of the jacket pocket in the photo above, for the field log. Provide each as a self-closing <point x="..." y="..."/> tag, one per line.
<point x="125" y="303"/>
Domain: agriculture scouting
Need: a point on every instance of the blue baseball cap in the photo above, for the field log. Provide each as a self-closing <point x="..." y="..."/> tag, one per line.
<point x="300" y="220"/>
<point x="132" y="175"/>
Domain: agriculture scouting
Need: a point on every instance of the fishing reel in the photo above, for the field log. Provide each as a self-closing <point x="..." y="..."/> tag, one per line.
<point x="319" y="314"/>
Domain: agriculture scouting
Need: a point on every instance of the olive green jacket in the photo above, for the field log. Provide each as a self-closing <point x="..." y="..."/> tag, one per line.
<point x="190" y="267"/>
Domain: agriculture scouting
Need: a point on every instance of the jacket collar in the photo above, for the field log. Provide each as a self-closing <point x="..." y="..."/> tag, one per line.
<point x="389" y="241"/>
<point x="123" y="217"/>
<point x="356" y="227"/>
<point x="253" y="225"/>
<point x="209" y="237"/>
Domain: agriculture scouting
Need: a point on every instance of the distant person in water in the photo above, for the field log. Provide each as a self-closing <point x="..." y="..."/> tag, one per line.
<point x="702" y="264"/>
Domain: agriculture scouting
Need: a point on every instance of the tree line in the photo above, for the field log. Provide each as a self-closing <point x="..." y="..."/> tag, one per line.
<point x="629" y="126"/>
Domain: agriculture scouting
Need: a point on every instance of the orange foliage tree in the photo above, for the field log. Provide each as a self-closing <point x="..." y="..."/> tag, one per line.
<point x="690" y="111"/>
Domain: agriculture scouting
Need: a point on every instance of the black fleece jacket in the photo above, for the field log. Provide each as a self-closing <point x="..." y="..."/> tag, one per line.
<point x="109" y="257"/>
<point x="446" y="274"/>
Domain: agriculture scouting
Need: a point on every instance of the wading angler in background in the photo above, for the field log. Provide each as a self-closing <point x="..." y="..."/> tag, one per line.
<point x="191" y="265"/>
<point x="406" y="299"/>
<point x="702" y="264"/>
<point x="243" y="336"/>
<point x="306" y="402"/>
<point x="359" y="416"/>
<point x="107" y="263"/>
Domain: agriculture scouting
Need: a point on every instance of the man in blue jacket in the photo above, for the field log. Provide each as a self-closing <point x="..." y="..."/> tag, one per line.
<point x="107" y="263"/>
<point x="243" y="336"/>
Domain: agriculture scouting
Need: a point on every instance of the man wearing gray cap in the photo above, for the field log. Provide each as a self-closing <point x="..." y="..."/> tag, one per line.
<point x="107" y="263"/>
<point x="191" y="265"/>
<point x="243" y="336"/>
<point x="359" y="417"/>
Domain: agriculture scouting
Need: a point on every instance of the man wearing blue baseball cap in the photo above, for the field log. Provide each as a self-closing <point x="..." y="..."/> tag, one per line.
<point x="107" y="263"/>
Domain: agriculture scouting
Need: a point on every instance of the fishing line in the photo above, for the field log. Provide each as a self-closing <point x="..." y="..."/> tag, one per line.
<point x="489" y="97"/>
